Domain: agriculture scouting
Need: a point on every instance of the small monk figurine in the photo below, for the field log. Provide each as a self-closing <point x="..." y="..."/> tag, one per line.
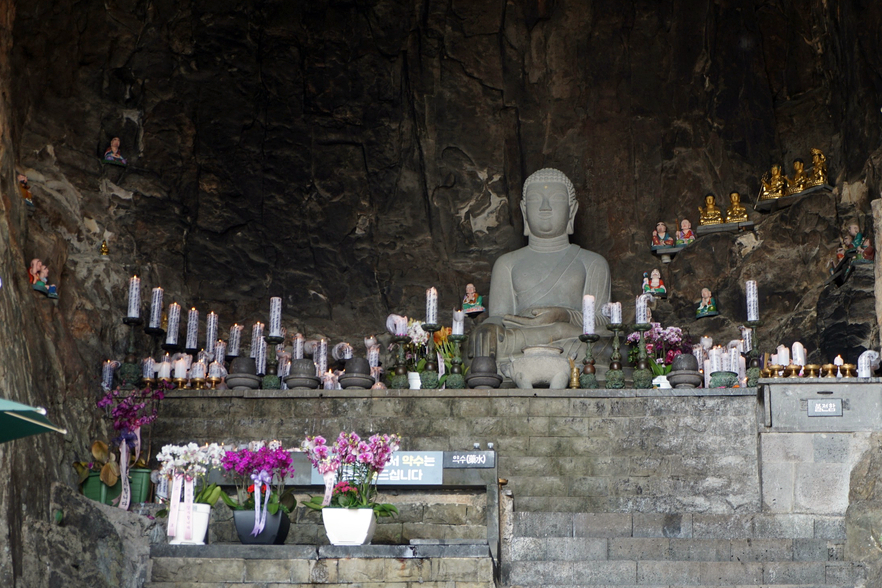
<point x="685" y="236"/>
<point x="819" y="169"/>
<point x="25" y="190"/>
<point x="710" y="214"/>
<point x="661" y="237"/>
<point x="653" y="284"/>
<point x="774" y="184"/>
<point x="113" y="153"/>
<point x="34" y="271"/>
<point x="707" y="306"/>
<point x="42" y="283"/>
<point x="736" y="212"/>
<point x="800" y="179"/>
<point x="861" y="244"/>
<point x="472" y="303"/>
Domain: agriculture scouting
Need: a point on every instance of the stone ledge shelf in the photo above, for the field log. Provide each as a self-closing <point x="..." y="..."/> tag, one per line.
<point x="440" y="548"/>
<point x="468" y="393"/>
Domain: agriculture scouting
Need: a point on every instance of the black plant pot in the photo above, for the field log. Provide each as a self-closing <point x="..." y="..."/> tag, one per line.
<point x="274" y="532"/>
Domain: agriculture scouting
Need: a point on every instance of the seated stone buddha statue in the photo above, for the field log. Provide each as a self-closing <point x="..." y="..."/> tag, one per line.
<point x="736" y="212"/>
<point x="710" y="212"/>
<point x="536" y="291"/>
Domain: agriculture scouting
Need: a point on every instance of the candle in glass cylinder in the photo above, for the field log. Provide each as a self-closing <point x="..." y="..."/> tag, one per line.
<point x="174" y="323"/>
<point x="180" y="368"/>
<point x="321" y="357"/>
<point x="210" y="332"/>
<point x="107" y="373"/>
<point x="156" y="309"/>
<point x="192" y="329"/>
<point x="275" y="322"/>
<point x="297" y="346"/>
<point x="260" y="358"/>
<point x="716" y="359"/>
<point x="220" y="350"/>
<point x="235" y="338"/>
<point x="256" y="335"/>
<point x="134" y="310"/>
<point x="197" y="371"/>
<point x="783" y="355"/>
<point x="215" y="370"/>
<point x="164" y="371"/>
<point x="642" y="317"/>
<point x="432" y="306"/>
<point x="587" y="314"/>
<point x="148" y="368"/>
<point x="734" y="360"/>
<point x="752" y="301"/>
<point x="798" y="353"/>
<point x="458" y="323"/>
<point x="373" y="356"/>
<point x="612" y="311"/>
<point x="747" y="337"/>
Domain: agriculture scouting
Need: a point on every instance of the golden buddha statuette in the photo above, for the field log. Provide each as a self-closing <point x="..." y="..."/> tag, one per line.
<point x="736" y="212"/>
<point x="799" y="181"/>
<point x="710" y="214"/>
<point x="819" y="169"/>
<point x="774" y="184"/>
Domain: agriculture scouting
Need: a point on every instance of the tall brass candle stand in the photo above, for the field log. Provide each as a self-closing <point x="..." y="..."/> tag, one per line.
<point x="588" y="378"/>
<point x="455" y="380"/>
<point x="429" y="376"/>
<point x="271" y="380"/>
<point x="642" y="374"/>
<point x="615" y="377"/>
<point x="753" y="369"/>
<point x="130" y="371"/>
<point x="399" y="377"/>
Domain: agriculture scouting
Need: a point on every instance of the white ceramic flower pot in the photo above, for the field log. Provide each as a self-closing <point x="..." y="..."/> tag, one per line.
<point x="661" y="382"/>
<point x="413" y="380"/>
<point x="349" y="526"/>
<point x="199" y="524"/>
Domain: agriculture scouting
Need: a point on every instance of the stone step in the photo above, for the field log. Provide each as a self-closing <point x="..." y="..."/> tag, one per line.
<point x="682" y="573"/>
<point x="631" y="548"/>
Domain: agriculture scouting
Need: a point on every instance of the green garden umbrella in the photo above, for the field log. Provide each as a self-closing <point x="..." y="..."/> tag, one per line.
<point x="20" y="420"/>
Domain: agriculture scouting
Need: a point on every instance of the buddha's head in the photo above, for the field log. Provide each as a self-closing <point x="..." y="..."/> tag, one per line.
<point x="710" y="200"/>
<point x="549" y="204"/>
<point x="705" y="294"/>
<point x="655" y="276"/>
<point x="735" y="198"/>
<point x="798" y="165"/>
<point x="854" y="229"/>
<point x="817" y="156"/>
<point x="776" y="170"/>
<point x="470" y="289"/>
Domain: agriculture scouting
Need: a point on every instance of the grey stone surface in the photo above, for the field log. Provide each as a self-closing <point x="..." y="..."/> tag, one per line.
<point x="778" y="481"/>
<point x="801" y="572"/>
<point x="861" y="406"/>
<point x="674" y="525"/>
<point x="821" y="488"/>
<point x="831" y="447"/>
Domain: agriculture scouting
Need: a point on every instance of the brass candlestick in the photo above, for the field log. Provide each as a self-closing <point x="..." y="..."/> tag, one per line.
<point x="588" y="379"/>
<point x="642" y="375"/>
<point x="456" y="381"/>
<point x="197" y="383"/>
<point x="180" y="383"/>
<point x="811" y="370"/>
<point x="754" y="364"/>
<point x="271" y="380"/>
<point x="214" y="381"/>
<point x="848" y="369"/>
<point x="615" y="377"/>
<point x="829" y="370"/>
<point x="399" y="379"/>
<point x="429" y="376"/>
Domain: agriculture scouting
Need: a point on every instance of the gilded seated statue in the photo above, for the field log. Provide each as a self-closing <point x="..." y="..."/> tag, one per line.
<point x="536" y="291"/>
<point x="774" y="184"/>
<point x="819" y="169"/>
<point x="800" y="179"/>
<point x="710" y="213"/>
<point x="736" y="212"/>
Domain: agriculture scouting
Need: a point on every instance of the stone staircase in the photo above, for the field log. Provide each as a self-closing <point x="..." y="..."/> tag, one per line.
<point x="656" y="550"/>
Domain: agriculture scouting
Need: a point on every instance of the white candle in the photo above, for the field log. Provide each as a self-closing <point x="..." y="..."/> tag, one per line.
<point x="746" y="336"/>
<point x="798" y="353"/>
<point x="297" y="345"/>
<point x="698" y="353"/>
<point x="260" y="359"/>
<point x="783" y="356"/>
<point x="215" y="370"/>
<point x="321" y="357"/>
<point x="156" y="309"/>
<point x="164" y="372"/>
<point x="211" y="332"/>
<point x="707" y="342"/>
<point x="107" y="373"/>
<point x="346" y="351"/>
<point x="612" y="311"/>
<point x="192" y="329"/>
<point x="180" y="368"/>
<point x="148" y="368"/>
<point x="174" y="323"/>
<point x="256" y="335"/>
<point x="275" y="322"/>
<point x="643" y="309"/>
<point x="716" y="359"/>
<point x="235" y="338"/>
<point x="587" y="314"/>
<point x="220" y="350"/>
<point x="752" y="301"/>
<point x="329" y="381"/>
<point x="134" y="310"/>
<point x="197" y="371"/>
<point x="373" y="356"/>
<point x="734" y="360"/>
<point x="432" y="306"/>
<point x="742" y="368"/>
<point x="707" y="373"/>
<point x="458" y="323"/>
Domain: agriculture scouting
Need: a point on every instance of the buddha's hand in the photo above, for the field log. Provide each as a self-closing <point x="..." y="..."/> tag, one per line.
<point x="485" y="339"/>
<point x="543" y="315"/>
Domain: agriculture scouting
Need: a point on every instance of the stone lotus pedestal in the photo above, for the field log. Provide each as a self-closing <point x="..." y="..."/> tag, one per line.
<point x="349" y="526"/>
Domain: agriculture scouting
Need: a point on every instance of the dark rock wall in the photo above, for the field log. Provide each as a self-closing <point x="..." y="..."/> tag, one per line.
<point x="346" y="155"/>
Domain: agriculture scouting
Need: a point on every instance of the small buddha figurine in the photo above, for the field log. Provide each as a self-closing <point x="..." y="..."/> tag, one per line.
<point x="736" y="212"/>
<point x="774" y="184"/>
<point x="800" y="179"/>
<point x="113" y="153"/>
<point x="34" y="271"/>
<point x="25" y="190"/>
<point x="653" y="284"/>
<point x="661" y="237"/>
<point x="710" y="214"/>
<point x="685" y="236"/>
<point x="42" y="283"/>
<point x="472" y="302"/>
<point x="819" y="169"/>
<point x="707" y="306"/>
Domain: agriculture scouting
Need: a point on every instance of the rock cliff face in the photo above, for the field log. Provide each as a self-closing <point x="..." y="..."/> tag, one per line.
<point x="347" y="155"/>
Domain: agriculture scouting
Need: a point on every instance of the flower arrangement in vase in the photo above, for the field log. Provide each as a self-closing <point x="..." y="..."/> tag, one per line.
<point x="129" y="411"/>
<point x="259" y="471"/>
<point x="350" y="468"/>
<point x="186" y="467"/>
<point x="663" y="345"/>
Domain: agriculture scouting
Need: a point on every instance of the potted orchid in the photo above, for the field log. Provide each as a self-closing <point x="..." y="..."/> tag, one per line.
<point x="125" y="479"/>
<point x="261" y="505"/>
<point x="186" y="467"/>
<point x="350" y="468"/>
<point x="663" y="345"/>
